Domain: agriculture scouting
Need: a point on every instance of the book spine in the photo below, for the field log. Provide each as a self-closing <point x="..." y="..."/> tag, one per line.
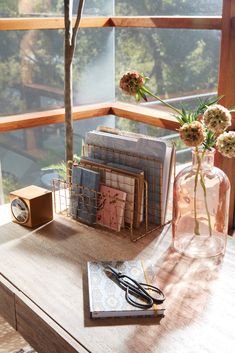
<point x="75" y="189"/>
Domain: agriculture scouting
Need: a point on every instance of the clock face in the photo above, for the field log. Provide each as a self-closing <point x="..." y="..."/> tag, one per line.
<point x="20" y="210"/>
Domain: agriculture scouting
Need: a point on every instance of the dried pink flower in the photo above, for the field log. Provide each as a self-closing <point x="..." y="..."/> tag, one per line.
<point x="131" y="82"/>
<point x="226" y="144"/>
<point x="217" y="118"/>
<point x="192" y="134"/>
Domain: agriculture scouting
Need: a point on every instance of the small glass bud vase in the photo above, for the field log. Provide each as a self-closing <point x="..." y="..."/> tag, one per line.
<point x="200" y="208"/>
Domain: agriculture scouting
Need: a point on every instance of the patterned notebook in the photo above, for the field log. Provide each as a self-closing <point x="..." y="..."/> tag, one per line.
<point x="107" y="299"/>
<point x="127" y="184"/>
<point x="138" y="174"/>
<point x="110" y="207"/>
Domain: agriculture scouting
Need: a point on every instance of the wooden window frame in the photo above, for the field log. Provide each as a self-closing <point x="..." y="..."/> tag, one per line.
<point x="224" y="23"/>
<point x="189" y="22"/>
<point x="155" y="117"/>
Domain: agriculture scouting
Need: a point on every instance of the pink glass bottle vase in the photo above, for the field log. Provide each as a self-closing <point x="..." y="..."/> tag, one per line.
<point x="200" y="208"/>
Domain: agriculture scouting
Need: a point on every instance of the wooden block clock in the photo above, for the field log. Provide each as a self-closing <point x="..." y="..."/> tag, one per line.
<point x="31" y="206"/>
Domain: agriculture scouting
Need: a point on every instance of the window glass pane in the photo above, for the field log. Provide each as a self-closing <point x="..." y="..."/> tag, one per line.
<point x="168" y="7"/>
<point x="35" y="155"/>
<point x="28" y="8"/>
<point x="32" y="69"/>
<point x="180" y="63"/>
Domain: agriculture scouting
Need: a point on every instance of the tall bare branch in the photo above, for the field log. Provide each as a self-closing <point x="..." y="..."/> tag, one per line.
<point x="69" y="48"/>
<point x="77" y="22"/>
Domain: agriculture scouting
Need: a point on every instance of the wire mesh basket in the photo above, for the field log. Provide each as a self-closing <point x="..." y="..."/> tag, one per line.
<point x="128" y="199"/>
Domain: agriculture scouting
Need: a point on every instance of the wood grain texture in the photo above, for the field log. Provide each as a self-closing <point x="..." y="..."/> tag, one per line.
<point x="33" y="324"/>
<point x="7" y="303"/>
<point x="226" y="88"/>
<point x="190" y="22"/>
<point x="227" y="54"/>
<point x="29" y="319"/>
<point x="139" y="113"/>
<point x="156" y="117"/>
<point x="28" y="120"/>
<point x="193" y="22"/>
<point x="48" y="265"/>
<point x="16" y="24"/>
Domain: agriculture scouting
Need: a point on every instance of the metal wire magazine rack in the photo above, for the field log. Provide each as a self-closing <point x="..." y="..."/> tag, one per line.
<point x="128" y="199"/>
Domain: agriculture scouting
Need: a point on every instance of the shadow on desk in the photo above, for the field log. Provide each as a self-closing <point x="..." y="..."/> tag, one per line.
<point x="53" y="229"/>
<point x="187" y="284"/>
<point x="12" y="231"/>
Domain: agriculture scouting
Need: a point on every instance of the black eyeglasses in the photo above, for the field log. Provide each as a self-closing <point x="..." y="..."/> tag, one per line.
<point x="135" y="290"/>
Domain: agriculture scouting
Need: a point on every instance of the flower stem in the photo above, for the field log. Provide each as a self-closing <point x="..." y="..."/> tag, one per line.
<point x="206" y="205"/>
<point x="146" y="90"/>
<point x="196" y="223"/>
<point x="196" y="226"/>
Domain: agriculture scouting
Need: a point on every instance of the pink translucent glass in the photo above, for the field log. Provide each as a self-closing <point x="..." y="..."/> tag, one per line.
<point x="200" y="212"/>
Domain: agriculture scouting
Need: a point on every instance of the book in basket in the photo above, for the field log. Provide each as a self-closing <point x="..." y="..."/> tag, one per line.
<point x="107" y="298"/>
<point x="110" y="209"/>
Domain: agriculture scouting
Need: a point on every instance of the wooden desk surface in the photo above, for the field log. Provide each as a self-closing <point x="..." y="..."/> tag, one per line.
<point x="43" y="292"/>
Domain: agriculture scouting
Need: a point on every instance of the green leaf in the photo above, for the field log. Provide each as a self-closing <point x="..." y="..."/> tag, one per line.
<point x="204" y="104"/>
<point x="232" y="109"/>
<point x="143" y="95"/>
<point x="216" y="100"/>
<point x="137" y="96"/>
<point x="210" y="140"/>
<point x="179" y="119"/>
<point x="183" y="111"/>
